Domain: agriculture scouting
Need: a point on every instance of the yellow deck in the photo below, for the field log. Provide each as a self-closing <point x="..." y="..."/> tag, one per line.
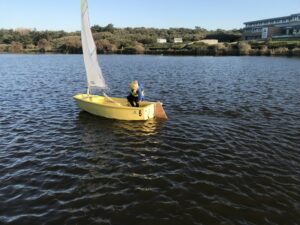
<point x="115" y="108"/>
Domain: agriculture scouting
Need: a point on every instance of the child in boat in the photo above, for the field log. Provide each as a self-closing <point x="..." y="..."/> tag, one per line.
<point x="136" y="94"/>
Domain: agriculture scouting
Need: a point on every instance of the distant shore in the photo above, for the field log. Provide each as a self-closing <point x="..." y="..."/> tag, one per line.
<point x="110" y="40"/>
<point x="239" y="48"/>
<point x="232" y="49"/>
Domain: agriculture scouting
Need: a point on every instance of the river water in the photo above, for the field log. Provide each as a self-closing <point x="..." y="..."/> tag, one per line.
<point x="229" y="153"/>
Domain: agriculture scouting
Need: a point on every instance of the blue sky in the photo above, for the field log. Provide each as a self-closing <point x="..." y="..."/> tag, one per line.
<point x="65" y="14"/>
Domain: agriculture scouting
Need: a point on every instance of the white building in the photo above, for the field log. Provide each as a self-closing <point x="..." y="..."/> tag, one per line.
<point x="278" y="27"/>
<point x="178" y="40"/>
<point x="161" y="40"/>
<point x="209" y="41"/>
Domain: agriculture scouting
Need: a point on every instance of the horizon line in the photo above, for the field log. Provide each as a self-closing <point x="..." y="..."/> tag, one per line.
<point x="133" y="27"/>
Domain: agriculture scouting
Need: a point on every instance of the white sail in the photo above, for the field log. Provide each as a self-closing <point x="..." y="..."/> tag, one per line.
<point x="95" y="78"/>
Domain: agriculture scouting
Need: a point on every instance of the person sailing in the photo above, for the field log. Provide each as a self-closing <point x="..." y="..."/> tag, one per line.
<point x="136" y="94"/>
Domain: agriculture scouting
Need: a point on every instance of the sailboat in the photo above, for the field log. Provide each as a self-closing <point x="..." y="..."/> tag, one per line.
<point x="103" y="105"/>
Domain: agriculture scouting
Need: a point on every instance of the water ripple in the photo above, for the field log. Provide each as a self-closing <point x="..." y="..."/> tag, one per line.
<point x="228" y="155"/>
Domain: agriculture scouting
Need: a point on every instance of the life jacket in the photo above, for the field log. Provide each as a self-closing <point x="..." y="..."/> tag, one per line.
<point x="136" y="93"/>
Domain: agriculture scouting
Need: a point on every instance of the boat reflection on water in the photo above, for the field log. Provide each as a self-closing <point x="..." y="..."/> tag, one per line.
<point x="92" y="125"/>
<point x="145" y="128"/>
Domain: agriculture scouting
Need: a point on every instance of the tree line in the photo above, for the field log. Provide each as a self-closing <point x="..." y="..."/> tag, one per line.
<point x="141" y="40"/>
<point x="108" y="39"/>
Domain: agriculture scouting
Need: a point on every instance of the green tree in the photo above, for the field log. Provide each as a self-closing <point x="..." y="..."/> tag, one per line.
<point x="109" y="28"/>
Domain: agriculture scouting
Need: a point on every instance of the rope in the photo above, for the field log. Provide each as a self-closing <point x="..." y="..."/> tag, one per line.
<point x="111" y="100"/>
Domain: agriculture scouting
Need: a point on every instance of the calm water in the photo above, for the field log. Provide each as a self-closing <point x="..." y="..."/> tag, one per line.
<point x="229" y="154"/>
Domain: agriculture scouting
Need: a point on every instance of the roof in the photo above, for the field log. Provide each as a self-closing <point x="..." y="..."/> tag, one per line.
<point x="275" y="18"/>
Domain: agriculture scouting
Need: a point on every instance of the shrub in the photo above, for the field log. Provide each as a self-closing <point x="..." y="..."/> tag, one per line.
<point x="264" y="50"/>
<point x="15" y="47"/>
<point x="4" y="47"/>
<point x="280" y="51"/>
<point x="296" y="52"/>
<point x="44" y="45"/>
<point x="220" y="49"/>
<point x="30" y="47"/>
<point x="139" y="49"/>
<point x="69" y="44"/>
<point x="244" y="48"/>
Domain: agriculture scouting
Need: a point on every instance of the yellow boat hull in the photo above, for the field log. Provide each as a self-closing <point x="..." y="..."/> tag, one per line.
<point x="115" y="108"/>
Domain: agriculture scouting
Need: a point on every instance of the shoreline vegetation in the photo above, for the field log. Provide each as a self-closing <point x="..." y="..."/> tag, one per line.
<point x="111" y="40"/>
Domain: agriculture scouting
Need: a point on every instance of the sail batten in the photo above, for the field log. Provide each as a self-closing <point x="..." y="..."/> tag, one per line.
<point x="94" y="74"/>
